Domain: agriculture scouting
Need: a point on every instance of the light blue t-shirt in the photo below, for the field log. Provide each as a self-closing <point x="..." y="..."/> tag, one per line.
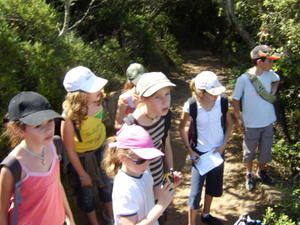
<point x="257" y="112"/>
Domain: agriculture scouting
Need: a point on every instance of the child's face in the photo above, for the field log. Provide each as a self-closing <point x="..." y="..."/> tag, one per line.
<point x="203" y="95"/>
<point x="95" y="97"/>
<point x="134" y="164"/>
<point x="266" y="64"/>
<point x="160" y="101"/>
<point x="41" y="134"/>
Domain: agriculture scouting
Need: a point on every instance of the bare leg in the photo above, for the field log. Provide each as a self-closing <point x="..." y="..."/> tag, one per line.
<point x="192" y="216"/>
<point x="108" y="210"/>
<point x="93" y="218"/>
<point x="207" y="203"/>
<point x="249" y="167"/>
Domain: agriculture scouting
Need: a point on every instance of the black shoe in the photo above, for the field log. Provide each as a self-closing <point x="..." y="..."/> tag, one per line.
<point x="265" y="178"/>
<point x="211" y="220"/>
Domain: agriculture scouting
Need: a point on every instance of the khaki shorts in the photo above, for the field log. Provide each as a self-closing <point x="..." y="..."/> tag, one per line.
<point x="261" y="138"/>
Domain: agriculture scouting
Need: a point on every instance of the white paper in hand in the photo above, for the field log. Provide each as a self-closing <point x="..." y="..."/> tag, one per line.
<point x="208" y="161"/>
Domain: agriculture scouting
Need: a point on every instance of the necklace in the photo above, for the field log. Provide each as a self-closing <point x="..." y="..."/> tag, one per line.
<point x="150" y="118"/>
<point x="40" y="156"/>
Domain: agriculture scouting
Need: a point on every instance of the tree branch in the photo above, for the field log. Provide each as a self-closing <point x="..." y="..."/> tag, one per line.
<point x="229" y="8"/>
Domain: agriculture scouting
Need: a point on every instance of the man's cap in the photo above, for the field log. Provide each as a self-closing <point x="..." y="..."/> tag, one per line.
<point x="82" y="78"/>
<point x="134" y="71"/>
<point x="149" y="83"/>
<point x="209" y="82"/>
<point x="30" y="108"/>
<point x="263" y="51"/>
<point x="138" y="140"/>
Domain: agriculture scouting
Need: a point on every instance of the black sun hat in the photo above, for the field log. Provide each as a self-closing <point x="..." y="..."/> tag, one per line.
<point x="30" y="108"/>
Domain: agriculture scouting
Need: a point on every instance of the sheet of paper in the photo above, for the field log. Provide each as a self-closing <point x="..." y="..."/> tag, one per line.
<point x="208" y="161"/>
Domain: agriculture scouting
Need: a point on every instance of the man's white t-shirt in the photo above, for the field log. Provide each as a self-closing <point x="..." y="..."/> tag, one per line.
<point x="132" y="196"/>
<point x="210" y="134"/>
<point x="257" y="112"/>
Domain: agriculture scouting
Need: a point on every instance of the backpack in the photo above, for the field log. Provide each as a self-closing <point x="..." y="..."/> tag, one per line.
<point x="130" y="120"/>
<point x="15" y="168"/>
<point x="192" y="132"/>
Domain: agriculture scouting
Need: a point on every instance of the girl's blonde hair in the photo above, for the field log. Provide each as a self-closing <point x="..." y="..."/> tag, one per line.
<point x="12" y="132"/>
<point x="128" y="85"/>
<point x="194" y="90"/>
<point x="76" y="106"/>
<point x="111" y="162"/>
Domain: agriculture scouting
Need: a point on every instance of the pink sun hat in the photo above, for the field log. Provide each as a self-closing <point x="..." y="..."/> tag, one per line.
<point x="138" y="140"/>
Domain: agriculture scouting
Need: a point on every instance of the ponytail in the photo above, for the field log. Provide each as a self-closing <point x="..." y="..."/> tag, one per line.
<point x="111" y="161"/>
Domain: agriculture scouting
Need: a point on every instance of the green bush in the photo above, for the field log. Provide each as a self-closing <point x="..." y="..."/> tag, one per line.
<point x="271" y="218"/>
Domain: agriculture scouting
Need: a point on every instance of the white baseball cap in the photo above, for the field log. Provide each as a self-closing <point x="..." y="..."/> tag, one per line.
<point x="149" y="83"/>
<point x="82" y="78"/>
<point x="209" y="82"/>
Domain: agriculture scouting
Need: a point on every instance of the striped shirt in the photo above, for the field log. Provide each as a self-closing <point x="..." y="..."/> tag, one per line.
<point x="156" y="131"/>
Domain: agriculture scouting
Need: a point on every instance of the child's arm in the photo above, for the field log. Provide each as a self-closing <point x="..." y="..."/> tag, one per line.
<point x="67" y="132"/>
<point x="227" y="132"/>
<point x="274" y="87"/>
<point x="237" y="114"/>
<point x="120" y="114"/>
<point x="6" y="189"/>
<point x="184" y="119"/>
<point x="168" y="153"/>
<point x="165" y="197"/>
<point x="69" y="214"/>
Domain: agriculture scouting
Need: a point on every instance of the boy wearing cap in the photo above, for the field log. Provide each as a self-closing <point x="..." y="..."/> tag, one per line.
<point x="212" y="126"/>
<point x="256" y="89"/>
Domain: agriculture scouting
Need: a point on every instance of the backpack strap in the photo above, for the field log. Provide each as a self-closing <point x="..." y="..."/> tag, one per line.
<point x="224" y="110"/>
<point x="260" y="89"/>
<point x="15" y="168"/>
<point x="193" y="126"/>
<point x="77" y="131"/>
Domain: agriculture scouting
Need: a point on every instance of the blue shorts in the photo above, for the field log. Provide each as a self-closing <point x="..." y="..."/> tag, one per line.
<point x="86" y="195"/>
<point x="213" y="185"/>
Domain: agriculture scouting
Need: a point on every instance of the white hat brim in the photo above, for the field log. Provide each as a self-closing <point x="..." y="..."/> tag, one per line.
<point x="150" y="91"/>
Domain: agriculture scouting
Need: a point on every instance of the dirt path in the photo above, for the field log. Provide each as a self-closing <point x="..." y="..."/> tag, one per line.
<point x="235" y="200"/>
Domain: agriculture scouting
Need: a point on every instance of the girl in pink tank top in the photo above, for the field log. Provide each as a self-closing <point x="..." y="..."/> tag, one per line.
<point x="43" y="199"/>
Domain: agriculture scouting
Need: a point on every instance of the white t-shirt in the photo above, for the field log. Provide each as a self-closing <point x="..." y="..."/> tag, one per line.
<point x="257" y="112"/>
<point x="210" y="133"/>
<point x="132" y="196"/>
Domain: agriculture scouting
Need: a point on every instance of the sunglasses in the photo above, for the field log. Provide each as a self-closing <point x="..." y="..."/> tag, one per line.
<point x="138" y="161"/>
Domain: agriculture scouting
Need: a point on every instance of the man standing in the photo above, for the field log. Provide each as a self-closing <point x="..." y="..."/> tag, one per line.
<point x="256" y="89"/>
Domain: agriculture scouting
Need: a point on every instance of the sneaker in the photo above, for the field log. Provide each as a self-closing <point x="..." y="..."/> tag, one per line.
<point x="264" y="177"/>
<point x="211" y="220"/>
<point x="249" y="182"/>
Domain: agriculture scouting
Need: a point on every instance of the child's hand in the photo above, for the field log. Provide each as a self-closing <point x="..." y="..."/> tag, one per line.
<point x="86" y="180"/>
<point x="166" y="194"/>
<point x="69" y="221"/>
<point x="194" y="157"/>
<point x="177" y="177"/>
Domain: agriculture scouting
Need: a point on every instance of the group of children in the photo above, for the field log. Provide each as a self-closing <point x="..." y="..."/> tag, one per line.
<point x="126" y="171"/>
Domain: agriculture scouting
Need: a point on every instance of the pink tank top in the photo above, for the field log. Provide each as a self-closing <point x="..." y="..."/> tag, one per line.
<point x="41" y="197"/>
